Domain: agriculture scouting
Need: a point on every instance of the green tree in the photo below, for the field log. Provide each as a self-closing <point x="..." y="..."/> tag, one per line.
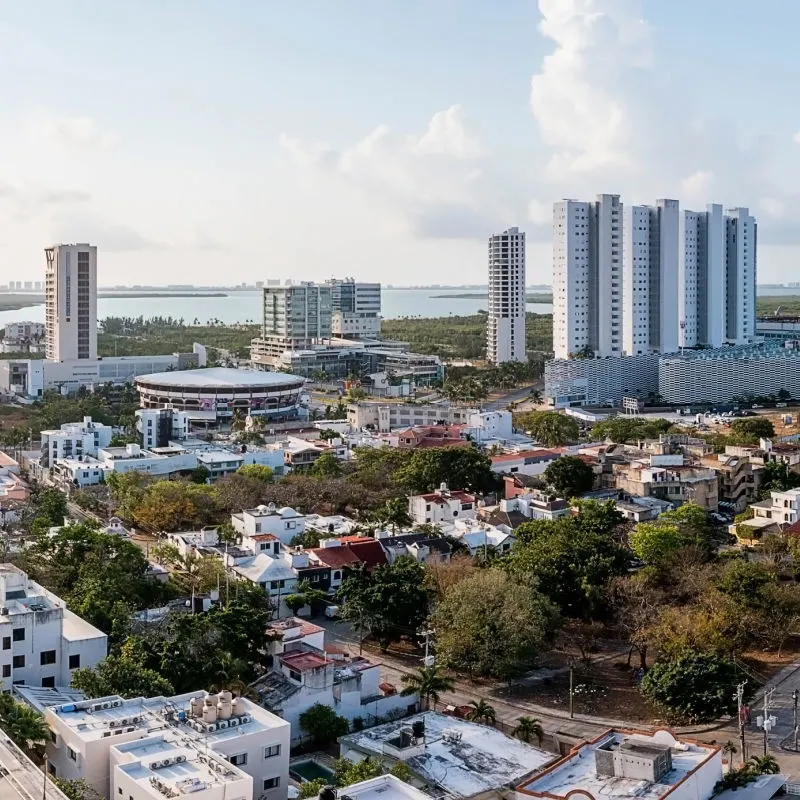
<point x="751" y="429"/>
<point x="777" y="477"/>
<point x="260" y="472"/>
<point x="658" y="542"/>
<point x="528" y="727"/>
<point x="493" y="624"/>
<point x="323" y="725"/>
<point x="569" y="477"/>
<point x="571" y="561"/>
<point x="389" y="601"/>
<point x="394" y="513"/>
<point x="23" y="725"/>
<point x="459" y="467"/>
<point x="124" y="674"/>
<point x="764" y="765"/>
<point x="326" y="466"/>
<point x="50" y="509"/>
<point x="628" y="429"/>
<point x="693" y="686"/>
<point x="481" y="711"/>
<point x="199" y="474"/>
<point x="428" y="683"/>
<point x="349" y="772"/>
<point x="309" y="789"/>
<point x="550" y="428"/>
<point x="401" y="771"/>
<point x="75" y="789"/>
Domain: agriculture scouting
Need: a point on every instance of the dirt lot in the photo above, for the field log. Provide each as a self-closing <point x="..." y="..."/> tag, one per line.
<point x="12" y="416"/>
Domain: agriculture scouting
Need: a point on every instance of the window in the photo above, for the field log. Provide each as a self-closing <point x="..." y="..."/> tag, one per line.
<point x="47" y="657"/>
<point x="238" y="760"/>
<point x="272" y="751"/>
<point x="49" y="683"/>
<point x="6" y="670"/>
<point x="337" y="575"/>
<point x="71" y="753"/>
<point x="18" y="662"/>
<point x="74" y="661"/>
<point x="271" y="783"/>
<point x="6" y="643"/>
<point x="19" y="634"/>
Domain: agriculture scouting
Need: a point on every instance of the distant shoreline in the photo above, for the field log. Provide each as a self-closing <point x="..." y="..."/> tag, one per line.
<point x="530" y="298"/>
<point x="15" y="302"/>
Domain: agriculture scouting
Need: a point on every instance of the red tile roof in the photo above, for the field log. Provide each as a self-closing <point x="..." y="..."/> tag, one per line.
<point x="436" y="497"/>
<point x="369" y="552"/>
<point x="304" y="661"/>
<point x="793" y="529"/>
<point x="336" y="557"/>
<point x="262" y="537"/>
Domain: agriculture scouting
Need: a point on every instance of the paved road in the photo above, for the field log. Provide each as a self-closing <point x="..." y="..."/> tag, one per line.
<point x="513" y="397"/>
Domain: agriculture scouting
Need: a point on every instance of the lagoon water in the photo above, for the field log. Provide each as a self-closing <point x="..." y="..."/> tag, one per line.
<point x="246" y="306"/>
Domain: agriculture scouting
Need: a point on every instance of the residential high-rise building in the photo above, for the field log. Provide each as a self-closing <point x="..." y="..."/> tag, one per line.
<point x="71" y="302"/>
<point x="650" y="283"/>
<point x="300" y="314"/>
<point x="702" y="278"/>
<point x="505" y="324"/>
<point x="740" y="275"/>
<point x="356" y="308"/>
<point x="587" y="277"/>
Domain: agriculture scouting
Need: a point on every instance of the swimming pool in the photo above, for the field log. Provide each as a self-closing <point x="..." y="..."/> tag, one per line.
<point x="310" y="770"/>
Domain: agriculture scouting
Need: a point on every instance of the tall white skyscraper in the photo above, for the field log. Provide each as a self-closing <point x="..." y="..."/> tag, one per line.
<point x="651" y="237"/>
<point x="356" y="308"/>
<point x="71" y="302"/>
<point x="505" y="324"/>
<point x="740" y="275"/>
<point x="702" y="278"/>
<point x="587" y="277"/>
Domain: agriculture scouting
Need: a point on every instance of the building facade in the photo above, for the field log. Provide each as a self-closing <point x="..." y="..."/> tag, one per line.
<point x="355" y="308"/>
<point x="505" y="323"/>
<point x="587" y="277"/>
<point x="71" y="302"/>
<point x="650" y="278"/>
<point x="42" y="641"/>
<point x="740" y="274"/>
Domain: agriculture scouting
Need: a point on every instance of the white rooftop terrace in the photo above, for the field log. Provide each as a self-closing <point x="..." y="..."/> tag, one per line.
<point x="462" y="758"/>
<point x="384" y="787"/>
<point x="161" y="761"/>
<point x="577" y="771"/>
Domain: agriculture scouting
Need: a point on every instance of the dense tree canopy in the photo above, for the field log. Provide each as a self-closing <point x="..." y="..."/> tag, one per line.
<point x="751" y="429"/>
<point x="388" y="602"/>
<point x="658" y="542"/>
<point x="569" y="477"/>
<point x="629" y="429"/>
<point x="493" y="624"/>
<point x="459" y="467"/>
<point x="550" y="428"/>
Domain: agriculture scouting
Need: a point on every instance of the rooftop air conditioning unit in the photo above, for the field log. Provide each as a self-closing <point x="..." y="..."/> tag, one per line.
<point x="116" y="703"/>
<point x="124" y="721"/>
<point x="136" y="719"/>
<point x="244" y="719"/>
<point x="107" y="704"/>
<point x="154" y="765"/>
<point x="233" y="722"/>
<point x="112" y="724"/>
<point x="167" y="762"/>
<point x="222" y="724"/>
<point x="180" y="759"/>
<point x="211" y="727"/>
<point x="97" y="707"/>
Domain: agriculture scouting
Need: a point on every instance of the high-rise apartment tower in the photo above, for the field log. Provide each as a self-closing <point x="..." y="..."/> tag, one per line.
<point x="505" y="325"/>
<point x="71" y="302"/>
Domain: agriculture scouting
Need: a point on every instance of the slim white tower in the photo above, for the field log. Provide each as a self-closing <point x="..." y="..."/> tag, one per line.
<point x="71" y="302"/>
<point x="740" y="274"/>
<point x="702" y="277"/>
<point x="505" y="324"/>
<point x="651" y="239"/>
<point x="587" y="277"/>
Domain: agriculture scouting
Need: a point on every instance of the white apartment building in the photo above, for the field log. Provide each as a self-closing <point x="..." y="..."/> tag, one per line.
<point x="505" y="323"/>
<point x="283" y="523"/>
<point x="41" y="642"/>
<point x="587" y="277"/>
<point x="702" y="294"/>
<point x="356" y="309"/>
<point x="71" y="302"/>
<point x="160" y="425"/>
<point x="650" y="282"/>
<point x="214" y="747"/>
<point x="75" y="440"/>
<point x="740" y="275"/>
<point x="442" y="507"/>
<point x="781" y="507"/>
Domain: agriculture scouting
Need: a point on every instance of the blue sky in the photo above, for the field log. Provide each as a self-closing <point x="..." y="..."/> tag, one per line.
<point x="209" y="141"/>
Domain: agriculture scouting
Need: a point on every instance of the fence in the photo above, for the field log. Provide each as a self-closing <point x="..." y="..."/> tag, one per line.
<point x="23" y="775"/>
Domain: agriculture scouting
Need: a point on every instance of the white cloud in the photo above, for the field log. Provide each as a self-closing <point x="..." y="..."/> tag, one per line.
<point x="70" y="131"/>
<point x="438" y="184"/>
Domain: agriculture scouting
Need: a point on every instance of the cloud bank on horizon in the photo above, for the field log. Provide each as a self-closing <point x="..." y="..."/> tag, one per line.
<point x="184" y="194"/>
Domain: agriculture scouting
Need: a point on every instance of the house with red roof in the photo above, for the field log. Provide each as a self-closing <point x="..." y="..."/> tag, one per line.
<point x="442" y="507"/>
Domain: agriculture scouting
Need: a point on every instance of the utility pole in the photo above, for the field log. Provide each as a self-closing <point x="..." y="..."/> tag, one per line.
<point x="795" y="696"/>
<point x="739" y="699"/>
<point x="428" y="660"/>
<point x="766" y="721"/>
<point x="571" y="691"/>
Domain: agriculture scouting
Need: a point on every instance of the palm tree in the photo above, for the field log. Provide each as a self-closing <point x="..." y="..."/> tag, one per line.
<point x="527" y="727"/>
<point x="25" y="727"/>
<point x="729" y="748"/>
<point x="536" y="397"/>
<point x="482" y="712"/>
<point x="763" y="765"/>
<point x="427" y="682"/>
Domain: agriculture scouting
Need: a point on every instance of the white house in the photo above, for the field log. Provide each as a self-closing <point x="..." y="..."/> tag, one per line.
<point x="117" y="746"/>
<point x="285" y="523"/>
<point x="483" y="426"/>
<point x="441" y="507"/>
<point x="41" y="641"/>
<point x="481" y="537"/>
<point x="524" y="462"/>
<point x="305" y="673"/>
<point x="781" y="507"/>
<point x="219" y="462"/>
<point x="74" y="439"/>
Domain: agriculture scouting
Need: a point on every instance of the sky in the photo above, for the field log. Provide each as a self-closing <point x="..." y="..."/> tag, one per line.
<point x="215" y="142"/>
